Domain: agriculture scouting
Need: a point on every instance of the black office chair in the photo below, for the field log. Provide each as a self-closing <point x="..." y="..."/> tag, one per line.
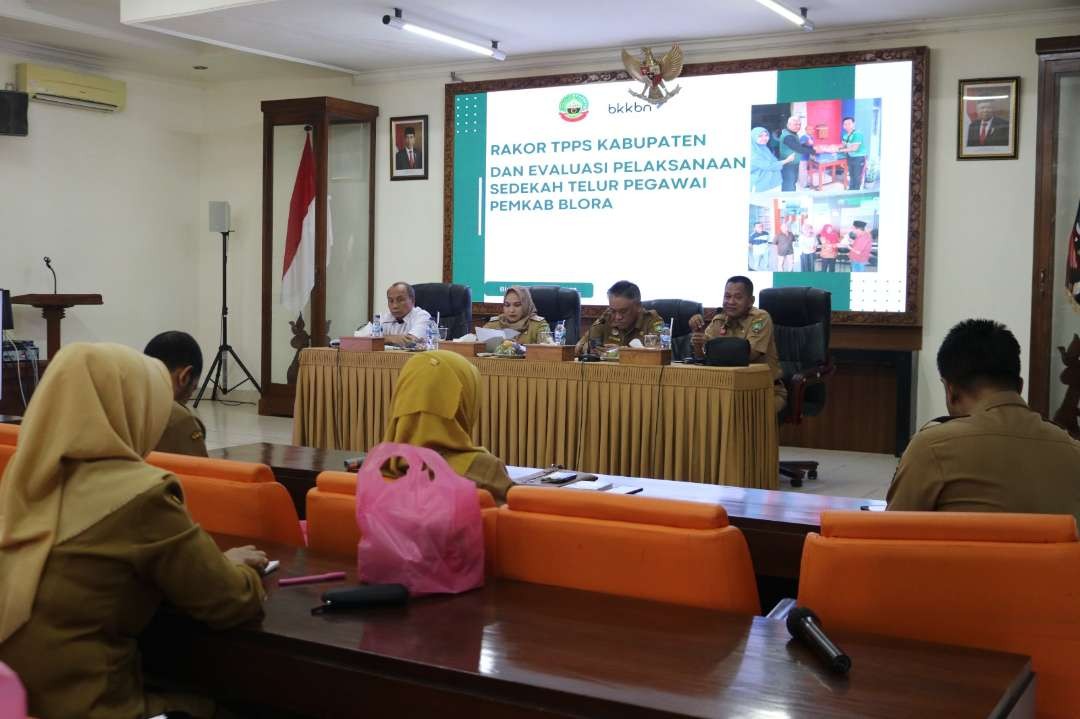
<point x="682" y="311"/>
<point x="559" y="303"/>
<point x="801" y="323"/>
<point x="453" y="304"/>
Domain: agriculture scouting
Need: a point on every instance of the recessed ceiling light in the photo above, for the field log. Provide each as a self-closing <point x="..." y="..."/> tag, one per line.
<point x="199" y="67"/>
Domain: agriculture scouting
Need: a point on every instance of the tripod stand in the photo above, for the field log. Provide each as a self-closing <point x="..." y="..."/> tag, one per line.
<point x="224" y="349"/>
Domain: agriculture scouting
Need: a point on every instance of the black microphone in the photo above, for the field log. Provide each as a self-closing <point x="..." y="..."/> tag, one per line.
<point x="48" y="263"/>
<point x="805" y="626"/>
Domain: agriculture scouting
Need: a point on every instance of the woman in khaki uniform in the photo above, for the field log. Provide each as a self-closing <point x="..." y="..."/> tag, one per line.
<point x="436" y="404"/>
<point x="92" y="539"/>
<point x="519" y="313"/>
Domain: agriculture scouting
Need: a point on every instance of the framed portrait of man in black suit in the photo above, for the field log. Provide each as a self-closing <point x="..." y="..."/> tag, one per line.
<point x="409" y="148"/>
<point x="988" y="119"/>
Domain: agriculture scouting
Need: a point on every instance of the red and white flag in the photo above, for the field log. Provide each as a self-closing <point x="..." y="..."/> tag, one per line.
<point x="298" y="268"/>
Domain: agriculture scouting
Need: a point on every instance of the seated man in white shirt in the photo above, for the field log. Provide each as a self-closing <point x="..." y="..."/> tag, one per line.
<point x="404" y="323"/>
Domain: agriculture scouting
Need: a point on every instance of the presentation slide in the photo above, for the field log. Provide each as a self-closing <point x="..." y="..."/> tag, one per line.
<point x="792" y="177"/>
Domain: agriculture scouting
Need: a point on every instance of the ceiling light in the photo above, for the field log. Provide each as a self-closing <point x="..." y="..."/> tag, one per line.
<point x="400" y="23"/>
<point x="799" y="18"/>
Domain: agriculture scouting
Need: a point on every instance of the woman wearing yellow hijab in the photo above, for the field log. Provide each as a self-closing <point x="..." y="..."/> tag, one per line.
<point x="519" y="313"/>
<point x="436" y="404"/>
<point x="92" y="539"/>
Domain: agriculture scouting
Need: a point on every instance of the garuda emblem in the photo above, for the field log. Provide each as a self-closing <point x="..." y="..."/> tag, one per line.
<point x="653" y="74"/>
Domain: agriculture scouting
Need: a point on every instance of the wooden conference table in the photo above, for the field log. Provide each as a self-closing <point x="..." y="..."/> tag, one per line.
<point x="513" y="649"/>
<point x="775" y="523"/>
<point x="704" y="424"/>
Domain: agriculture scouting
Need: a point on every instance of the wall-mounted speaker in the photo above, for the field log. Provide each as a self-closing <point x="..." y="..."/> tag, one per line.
<point x="219" y="217"/>
<point x="13" y="107"/>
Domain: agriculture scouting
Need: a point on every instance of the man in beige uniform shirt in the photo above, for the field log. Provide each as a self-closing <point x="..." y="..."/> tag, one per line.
<point x="739" y="318"/>
<point x="185" y="433"/>
<point x="624" y="321"/>
<point x="992" y="453"/>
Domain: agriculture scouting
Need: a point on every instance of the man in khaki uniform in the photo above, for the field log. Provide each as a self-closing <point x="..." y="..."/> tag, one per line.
<point x="185" y="433"/>
<point x="624" y="321"/>
<point x="741" y="319"/>
<point x="992" y="453"/>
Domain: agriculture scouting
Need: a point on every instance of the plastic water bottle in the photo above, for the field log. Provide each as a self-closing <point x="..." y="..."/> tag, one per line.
<point x="665" y="337"/>
<point x="376" y="326"/>
<point x="560" y="332"/>
<point x="432" y="335"/>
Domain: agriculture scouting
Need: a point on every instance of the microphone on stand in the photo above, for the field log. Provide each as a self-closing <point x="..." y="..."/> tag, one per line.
<point x="805" y="626"/>
<point x="48" y="263"/>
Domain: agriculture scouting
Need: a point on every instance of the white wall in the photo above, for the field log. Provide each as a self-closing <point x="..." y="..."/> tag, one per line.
<point x="111" y="198"/>
<point x="978" y="221"/>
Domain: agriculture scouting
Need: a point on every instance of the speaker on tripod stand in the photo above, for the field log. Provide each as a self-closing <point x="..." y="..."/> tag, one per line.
<point x="218" y="374"/>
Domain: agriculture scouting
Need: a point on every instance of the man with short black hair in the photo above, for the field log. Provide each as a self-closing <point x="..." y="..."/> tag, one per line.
<point x="853" y="150"/>
<point x="182" y="357"/>
<point x="624" y="320"/>
<point x="739" y="318"/>
<point x="991" y="453"/>
<point x="409" y="157"/>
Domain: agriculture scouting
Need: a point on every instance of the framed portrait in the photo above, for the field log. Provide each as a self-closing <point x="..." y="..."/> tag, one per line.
<point x="987" y="119"/>
<point x="409" y="148"/>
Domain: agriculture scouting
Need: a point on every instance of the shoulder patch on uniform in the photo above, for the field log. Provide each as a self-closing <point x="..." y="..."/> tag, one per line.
<point x="196" y="435"/>
<point x="757" y="325"/>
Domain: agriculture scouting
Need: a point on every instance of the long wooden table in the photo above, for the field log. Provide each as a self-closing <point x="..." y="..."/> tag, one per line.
<point x="775" y="523"/>
<point x="701" y="424"/>
<point x="514" y="649"/>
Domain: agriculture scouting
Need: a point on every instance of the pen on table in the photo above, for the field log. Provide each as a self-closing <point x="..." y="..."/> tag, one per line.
<point x="312" y="579"/>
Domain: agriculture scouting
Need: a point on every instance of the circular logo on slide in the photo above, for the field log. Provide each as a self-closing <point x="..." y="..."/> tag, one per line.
<point x="573" y="107"/>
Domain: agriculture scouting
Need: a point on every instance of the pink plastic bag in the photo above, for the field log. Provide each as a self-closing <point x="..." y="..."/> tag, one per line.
<point x="422" y="530"/>
<point x="12" y="695"/>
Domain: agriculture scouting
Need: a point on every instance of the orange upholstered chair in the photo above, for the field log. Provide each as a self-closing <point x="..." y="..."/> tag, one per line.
<point x="1008" y="582"/>
<point x="331" y="517"/>
<point x="9" y="434"/>
<point x="230" y="497"/>
<point x="182" y="464"/>
<point x="658" y="549"/>
<point x="256" y="510"/>
<point x="6" y="452"/>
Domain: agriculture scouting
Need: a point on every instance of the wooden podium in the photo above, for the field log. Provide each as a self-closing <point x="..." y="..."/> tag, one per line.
<point x="52" y="309"/>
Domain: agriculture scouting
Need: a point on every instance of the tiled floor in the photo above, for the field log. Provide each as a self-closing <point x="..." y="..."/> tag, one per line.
<point x="841" y="474"/>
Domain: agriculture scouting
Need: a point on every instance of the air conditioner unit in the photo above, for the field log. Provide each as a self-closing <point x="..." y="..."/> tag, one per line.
<point x="63" y="87"/>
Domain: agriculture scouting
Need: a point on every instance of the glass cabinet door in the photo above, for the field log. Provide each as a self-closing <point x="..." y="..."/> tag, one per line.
<point x="348" y="269"/>
<point x="1064" y="356"/>
<point x="289" y="328"/>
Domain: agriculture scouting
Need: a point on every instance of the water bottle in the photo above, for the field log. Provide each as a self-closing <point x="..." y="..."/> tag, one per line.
<point x="665" y="337"/>
<point x="432" y="335"/>
<point x="560" y="332"/>
<point x="376" y="326"/>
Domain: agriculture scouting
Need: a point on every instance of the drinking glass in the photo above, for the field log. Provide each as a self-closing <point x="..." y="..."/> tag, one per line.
<point x="652" y="342"/>
<point x="545" y="337"/>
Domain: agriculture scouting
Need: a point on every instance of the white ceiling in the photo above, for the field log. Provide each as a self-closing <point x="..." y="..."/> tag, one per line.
<point x="88" y="34"/>
<point x="349" y="33"/>
<point x="243" y="39"/>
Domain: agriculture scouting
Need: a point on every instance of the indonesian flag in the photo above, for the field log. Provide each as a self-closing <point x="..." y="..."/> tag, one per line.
<point x="298" y="269"/>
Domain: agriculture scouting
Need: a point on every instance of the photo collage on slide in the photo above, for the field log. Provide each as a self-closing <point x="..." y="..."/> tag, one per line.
<point x="815" y="170"/>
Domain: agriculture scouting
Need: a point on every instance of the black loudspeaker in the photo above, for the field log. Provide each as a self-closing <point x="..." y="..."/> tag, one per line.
<point x="13" y="106"/>
<point x="7" y="321"/>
